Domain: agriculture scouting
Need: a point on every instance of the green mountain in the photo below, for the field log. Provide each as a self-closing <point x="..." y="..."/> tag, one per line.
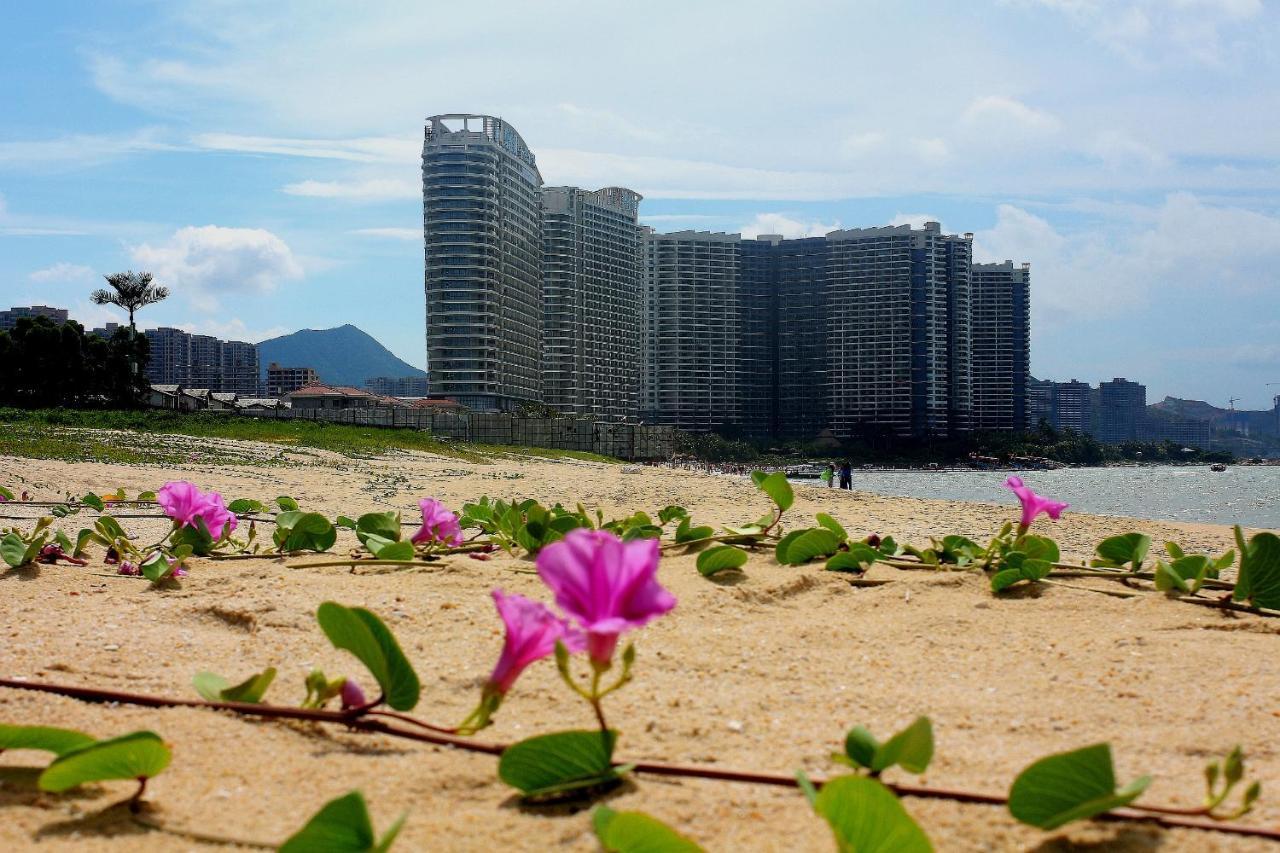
<point x="342" y="356"/>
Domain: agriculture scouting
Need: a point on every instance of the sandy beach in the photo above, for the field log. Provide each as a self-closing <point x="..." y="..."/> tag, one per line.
<point x="765" y="671"/>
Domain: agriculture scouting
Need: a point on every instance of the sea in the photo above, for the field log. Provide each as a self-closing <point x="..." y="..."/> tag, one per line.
<point x="1245" y="495"/>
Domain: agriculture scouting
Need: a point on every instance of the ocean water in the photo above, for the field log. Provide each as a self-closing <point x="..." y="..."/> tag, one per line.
<point x="1244" y="495"/>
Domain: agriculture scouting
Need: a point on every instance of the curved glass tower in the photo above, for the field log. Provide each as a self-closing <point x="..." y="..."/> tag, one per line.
<point x="482" y="220"/>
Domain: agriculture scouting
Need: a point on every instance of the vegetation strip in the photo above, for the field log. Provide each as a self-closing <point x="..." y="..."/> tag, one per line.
<point x="1167" y="817"/>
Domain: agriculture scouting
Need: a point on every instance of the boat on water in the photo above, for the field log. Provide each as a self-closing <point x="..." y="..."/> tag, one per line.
<point x="1217" y="466"/>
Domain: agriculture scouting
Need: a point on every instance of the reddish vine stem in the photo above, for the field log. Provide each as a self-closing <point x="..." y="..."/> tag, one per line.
<point x="1161" y="816"/>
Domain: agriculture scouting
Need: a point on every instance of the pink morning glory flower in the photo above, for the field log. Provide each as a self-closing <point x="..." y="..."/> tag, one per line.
<point x="1033" y="505"/>
<point x="605" y="585"/>
<point x="127" y="568"/>
<point x="352" y="695"/>
<point x="532" y="632"/>
<point x="184" y="503"/>
<point x="438" y="524"/>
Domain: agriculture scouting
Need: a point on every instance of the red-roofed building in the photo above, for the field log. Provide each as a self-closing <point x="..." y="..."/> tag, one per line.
<point x="336" y="397"/>
<point x="439" y="404"/>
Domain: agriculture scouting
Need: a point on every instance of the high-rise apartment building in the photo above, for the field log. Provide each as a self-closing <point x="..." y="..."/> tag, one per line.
<point x="898" y="318"/>
<point x="1073" y="406"/>
<point x="403" y="386"/>
<point x="1122" y="408"/>
<point x="591" y="301"/>
<point x="999" y="306"/>
<point x="691" y="330"/>
<point x="201" y="361"/>
<point x="9" y="319"/>
<point x="482" y="222"/>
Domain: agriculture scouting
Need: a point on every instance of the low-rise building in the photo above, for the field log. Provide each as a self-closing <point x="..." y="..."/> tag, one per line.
<point x="321" y="396"/>
<point x="286" y="380"/>
<point x="9" y="319"/>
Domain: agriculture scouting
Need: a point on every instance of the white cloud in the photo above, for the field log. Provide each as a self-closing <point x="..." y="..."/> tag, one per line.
<point x="999" y="114"/>
<point x="63" y="271"/>
<point x="778" y="223"/>
<point x="1119" y="150"/>
<point x="367" y="189"/>
<point x="370" y="149"/>
<point x="410" y="234"/>
<point x="205" y="262"/>
<point x="80" y="150"/>
<point x="934" y="151"/>
<point x="1181" y="246"/>
<point x="915" y="220"/>
<point x="609" y="122"/>
<point x="233" y="329"/>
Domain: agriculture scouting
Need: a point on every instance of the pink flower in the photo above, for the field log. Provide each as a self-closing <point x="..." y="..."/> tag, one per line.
<point x="1032" y="504"/>
<point x="532" y="632"/>
<point x="127" y="568"/>
<point x="606" y="585"/>
<point x="184" y="503"/>
<point x="438" y="524"/>
<point x="352" y="695"/>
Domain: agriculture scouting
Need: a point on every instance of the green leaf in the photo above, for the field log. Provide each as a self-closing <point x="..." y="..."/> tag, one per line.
<point x="687" y="533"/>
<point x="157" y="568"/>
<point x="784" y="544"/>
<point x="866" y="817"/>
<point x="831" y="524"/>
<point x="391" y="550"/>
<point x="209" y="685"/>
<point x="287" y="503"/>
<point x="778" y="489"/>
<point x="636" y="832"/>
<point x="1005" y="578"/>
<point x="47" y="738"/>
<point x="341" y="826"/>
<point x="1185" y="574"/>
<point x="560" y="762"/>
<point x="345" y="521"/>
<point x="6" y="494"/>
<point x="358" y="631"/>
<point x="857" y="559"/>
<point x="811" y="544"/>
<point x="1259" y="579"/>
<point x="1039" y="548"/>
<point x="13" y="550"/>
<point x="136" y="755"/>
<point x="1070" y="786"/>
<point x="146" y="496"/>
<point x="94" y="501"/>
<point x="911" y="748"/>
<point x="1174" y="549"/>
<point x="861" y="746"/>
<point x="243" y="506"/>
<point x="252" y="689"/>
<point x="1130" y="548"/>
<point x="757" y="477"/>
<point x="384" y="524"/>
<point x="721" y="558"/>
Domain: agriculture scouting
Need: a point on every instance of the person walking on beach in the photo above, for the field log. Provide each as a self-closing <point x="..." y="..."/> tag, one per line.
<point x="846" y="475"/>
<point x="829" y="475"/>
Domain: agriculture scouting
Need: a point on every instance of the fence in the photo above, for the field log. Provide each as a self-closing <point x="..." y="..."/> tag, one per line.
<point x="622" y="441"/>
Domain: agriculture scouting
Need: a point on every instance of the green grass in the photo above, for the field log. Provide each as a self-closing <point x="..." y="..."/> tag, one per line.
<point x="60" y="434"/>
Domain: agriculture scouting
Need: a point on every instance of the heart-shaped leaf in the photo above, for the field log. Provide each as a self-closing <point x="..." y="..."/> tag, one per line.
<point x="721" y="558"/>
<point x="341" y="826"/>
<point x="866" y="817"/>
<point x="636" y="832"/>
<point x="861" y="746"/>
<point x="47" y="738"/>
<point x="775" y="485"/>
<point x="1128" y="548"/>
<point x="287" y="503"/>
<point x="1070" y="786"/>
<point x="811" y="544"/>
<point x="685" y="532"/>
<point x="384" y="524"/>
<point x="559" y="763"/>
<point x="215" y="688"/>
<point x="94" y="501"/>
<point x="13" y="550"/>
<point x="911" y="748"/>
<point x="834" y="526"/>
<point x="138" y="755"/>
<point x="857" y="559"/>
<point x="364" y="635"/>
<point x="1259" y="579"/>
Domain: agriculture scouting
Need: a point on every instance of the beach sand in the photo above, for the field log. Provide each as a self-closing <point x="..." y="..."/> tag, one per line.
<point x="766" y="671"/>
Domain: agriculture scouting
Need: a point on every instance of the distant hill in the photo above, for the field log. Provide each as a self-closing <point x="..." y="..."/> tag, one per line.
<point x="342" y="356"/>
<point x="1195" y="410"/>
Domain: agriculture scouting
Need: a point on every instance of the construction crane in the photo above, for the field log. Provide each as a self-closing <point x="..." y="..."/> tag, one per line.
<point x="1232" y="403"/>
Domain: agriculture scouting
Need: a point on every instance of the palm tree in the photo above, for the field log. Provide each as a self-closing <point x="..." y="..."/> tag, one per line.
<point x="130" y="291"/>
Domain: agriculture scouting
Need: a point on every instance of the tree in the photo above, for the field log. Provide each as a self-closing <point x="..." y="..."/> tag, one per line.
<point x="130" y="291"/>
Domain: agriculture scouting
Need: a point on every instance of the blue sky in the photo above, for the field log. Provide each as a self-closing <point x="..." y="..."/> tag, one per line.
<point x="262" y="159"/>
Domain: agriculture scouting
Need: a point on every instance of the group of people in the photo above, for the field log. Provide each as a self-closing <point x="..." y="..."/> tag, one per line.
<point x="846" y="475"/>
